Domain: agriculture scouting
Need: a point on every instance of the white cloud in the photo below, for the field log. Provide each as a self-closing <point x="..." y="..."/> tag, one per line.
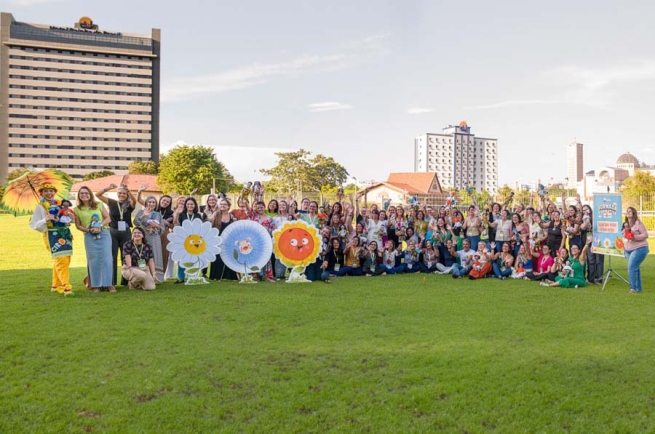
<point x="31" y="2"/>
<point x="598" y="78"/>
<point x="328" y="106"/>
<point x="375" y="38"/>
<point x="592" y="87"/>
<point x="419" y="110"/>
<point x="516" y="102"/>
<point x="247" y="76"/>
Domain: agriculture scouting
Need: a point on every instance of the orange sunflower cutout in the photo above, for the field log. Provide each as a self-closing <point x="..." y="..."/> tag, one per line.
<point x="296" y="244"/>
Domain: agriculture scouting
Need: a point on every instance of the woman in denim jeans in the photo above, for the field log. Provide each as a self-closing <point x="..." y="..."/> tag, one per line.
<point x="636" y="248"/>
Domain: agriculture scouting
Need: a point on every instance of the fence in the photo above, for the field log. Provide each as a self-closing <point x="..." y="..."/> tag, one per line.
<point x="645" y="206"/>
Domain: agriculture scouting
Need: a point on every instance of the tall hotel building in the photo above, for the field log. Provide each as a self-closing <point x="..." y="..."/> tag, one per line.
<point x="574" y="163"/>
<point x="459" y="158"/>
<point x="77" y="98"/>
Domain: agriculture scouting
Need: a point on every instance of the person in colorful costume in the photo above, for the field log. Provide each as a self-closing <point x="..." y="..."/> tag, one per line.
<point x="57" y="237"/>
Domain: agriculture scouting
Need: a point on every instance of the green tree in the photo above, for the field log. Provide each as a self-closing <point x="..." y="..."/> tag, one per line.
<point x="99" y="174"/>
<point x="504" y="192"/>
<point x="186" y="168"/>
<point x="638" y="185"/>
<point x="523" y="197"/>
<point x="300" y="169"/>
<point x="17" y="173"/>
<point x="140" y="167"/>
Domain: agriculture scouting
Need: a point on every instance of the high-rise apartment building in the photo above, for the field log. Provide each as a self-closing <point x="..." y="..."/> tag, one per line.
<point x="459" y="158"/>
<point x="77" y="98"/>
<point x="574" y="160"/>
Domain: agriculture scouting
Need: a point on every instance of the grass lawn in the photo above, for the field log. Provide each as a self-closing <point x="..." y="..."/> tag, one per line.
<point x="385" y="354"/>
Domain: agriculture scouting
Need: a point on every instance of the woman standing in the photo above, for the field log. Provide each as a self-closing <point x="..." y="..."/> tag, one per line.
<point x="222" y="219"/>
<point x="537" y="233"/>
<point x="166" y="212"/>
<point x="520" y="232"/>
<point x="375" y="228"/>
<point x="138" y="262"/>
<point x="150" y="220"/>
<point x="502" y="227"/>
<point x="636" y="248"/>
<point x="554" y="232"/>
<point x="272" y="208"/>
<point x="243" y="210"/>
<point x="572" y="227"/>
<point x="211" y="208"/>
<point x="120" y="226"/>
<point x="472" y="226"/>
<point x="97" y="240"/>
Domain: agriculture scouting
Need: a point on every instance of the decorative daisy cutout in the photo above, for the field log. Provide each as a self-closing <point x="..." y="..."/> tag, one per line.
<point x="296" y="244"/>
<point x="193" y="245"/>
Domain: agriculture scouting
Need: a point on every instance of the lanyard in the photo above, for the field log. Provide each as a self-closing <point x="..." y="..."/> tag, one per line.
<point x="120" y="210"/>
<point x="542" y="262"/>
<point x="190" y="217"/>
<point x="139" y="252"/>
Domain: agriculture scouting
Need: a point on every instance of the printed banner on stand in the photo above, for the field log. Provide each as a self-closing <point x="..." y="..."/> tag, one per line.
<point x="608" y="225"/>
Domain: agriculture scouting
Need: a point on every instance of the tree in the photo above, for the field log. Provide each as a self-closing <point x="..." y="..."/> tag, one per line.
<point x="504" y="192"/>
<point x="17" y="173"/>
<point x="638" y="185"/>
<point x="99" y="174"/>
<point x="140" y="167"/>
<point x="186" y="168"/>
<point x="299" y="170"/>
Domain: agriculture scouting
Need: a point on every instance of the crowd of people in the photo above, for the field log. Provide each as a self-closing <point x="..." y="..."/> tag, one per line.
<point x="490" y="240"/>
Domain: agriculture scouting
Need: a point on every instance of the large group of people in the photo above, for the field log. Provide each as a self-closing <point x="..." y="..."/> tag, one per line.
<point x="490" y="240"/>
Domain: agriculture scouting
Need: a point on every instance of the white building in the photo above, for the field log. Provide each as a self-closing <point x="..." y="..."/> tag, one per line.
<point x="628" y="162"/>
<point x="459" y="158"/>
<point x="604" y="180"/>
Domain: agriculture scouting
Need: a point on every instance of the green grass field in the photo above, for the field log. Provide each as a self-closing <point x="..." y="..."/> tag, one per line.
<point x="386" y="354"/>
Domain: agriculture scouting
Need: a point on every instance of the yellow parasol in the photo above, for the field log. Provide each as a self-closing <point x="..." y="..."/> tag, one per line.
<point x="22" y="194"/>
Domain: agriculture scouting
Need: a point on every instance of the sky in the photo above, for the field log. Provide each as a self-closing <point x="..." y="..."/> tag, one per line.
<point x="359" y="80"/>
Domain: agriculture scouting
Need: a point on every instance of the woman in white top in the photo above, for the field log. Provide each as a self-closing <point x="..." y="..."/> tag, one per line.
<point x="375" y="228"/>
<point x="503" y="228"/>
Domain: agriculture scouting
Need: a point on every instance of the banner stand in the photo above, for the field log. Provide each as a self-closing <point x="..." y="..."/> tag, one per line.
<point x="609" y="272"/>
<point x="607" y="231"/>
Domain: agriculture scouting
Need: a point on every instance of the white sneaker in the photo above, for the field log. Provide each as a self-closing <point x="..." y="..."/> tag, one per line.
<point x="543" y="284"/>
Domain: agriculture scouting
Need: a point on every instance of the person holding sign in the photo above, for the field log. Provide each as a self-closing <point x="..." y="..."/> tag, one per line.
<point x="635" y="248"/>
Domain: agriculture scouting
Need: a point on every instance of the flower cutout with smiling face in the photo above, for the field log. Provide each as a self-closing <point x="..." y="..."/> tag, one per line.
<point x="297" y="244"/>
<point x="247" y="246"/>
<point x="194" y="244"/>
